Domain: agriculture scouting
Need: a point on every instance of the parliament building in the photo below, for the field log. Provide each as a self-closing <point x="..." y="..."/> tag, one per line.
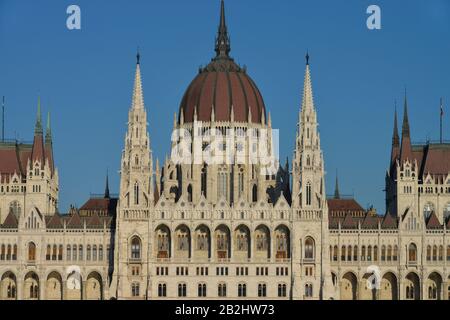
<point x="238" y="227"/>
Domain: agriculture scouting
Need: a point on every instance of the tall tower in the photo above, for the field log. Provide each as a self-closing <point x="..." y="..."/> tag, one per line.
<point x="135" y="200"/>
<point x="309" y="204"/>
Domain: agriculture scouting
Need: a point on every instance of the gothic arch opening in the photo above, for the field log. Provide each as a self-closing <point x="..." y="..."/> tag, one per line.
<point x="54" y="286"/>
<point x="94" y="286"/>
<point x="282" y="239"/>
<point x="388" y="287"/>
<point x="434" y="286"/>
<point x="412" y="286"/>
<point x="349" y="286"/>
<point x="163" y="242"/>
<point x="8" y="286"/>
<point x="182" y="242"/>
<point x="262" y="242"/>
<point x="242" y="242"/>
<point x="202" y="239"/>
<point x="31" y="286"/>
<point x="223" y="242"/>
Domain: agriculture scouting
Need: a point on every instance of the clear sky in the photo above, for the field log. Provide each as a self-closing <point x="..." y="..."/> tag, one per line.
<point x="85" y="77"/>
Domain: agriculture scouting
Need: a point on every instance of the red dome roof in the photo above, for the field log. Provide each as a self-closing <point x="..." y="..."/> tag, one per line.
<point x="224" y="86"/>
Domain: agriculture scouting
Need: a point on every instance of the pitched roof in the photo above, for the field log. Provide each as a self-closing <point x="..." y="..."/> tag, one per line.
<point x="349" y="222"/>
<point x="75" y="221"/>
<point x="433" y="222"/>
<point x="370" y="221"/>
<point x="13" y="158"/>
<point x="100" y="206"/>
<point x="54" y="222"/>
<point x="340" y="207"/>
<point x="10" y="221"/>
<point x="94" y="221"/>
<point x="389" y="222"/>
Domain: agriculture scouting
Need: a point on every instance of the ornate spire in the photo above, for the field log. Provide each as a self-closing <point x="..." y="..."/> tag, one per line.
<point x="48" y="131"/>
<point x="405" y="149"/>
<point x="336" y="188"/>
<point x="38" y="126"/>
<point x="308" y="101"/>
<point x="138" y="97"/>
<point x="395" y="137"/>
<point x="223" y="40"/>
<point x="107" y="186"/>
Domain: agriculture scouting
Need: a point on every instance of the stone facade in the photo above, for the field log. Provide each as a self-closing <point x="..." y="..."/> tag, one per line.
<point x="224" y="230"/>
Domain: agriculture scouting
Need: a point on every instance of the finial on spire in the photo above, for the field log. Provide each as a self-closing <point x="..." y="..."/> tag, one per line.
<point x="107" y="186"/>
<point x="307" y="58"/>
<point x="395" y="137"/>
<point x="38" y="126"/>
<point x="223" y="40"/>
<point x="336" y="188"/>
<point x="138" y="56"/>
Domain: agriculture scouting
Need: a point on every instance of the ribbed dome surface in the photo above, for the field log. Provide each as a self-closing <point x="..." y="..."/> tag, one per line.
<point x="224" y="86"/>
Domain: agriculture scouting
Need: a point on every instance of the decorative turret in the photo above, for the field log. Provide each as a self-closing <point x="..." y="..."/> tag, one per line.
<point x="107" y="186"/>
<point x="336" y="188"/>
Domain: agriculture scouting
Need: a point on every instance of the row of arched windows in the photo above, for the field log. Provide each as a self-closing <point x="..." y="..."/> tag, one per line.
<point x="222" y="290"/>
<point x="435" y="253"/>
<point x="8" y="252"/>
<point x="367" y="253"/>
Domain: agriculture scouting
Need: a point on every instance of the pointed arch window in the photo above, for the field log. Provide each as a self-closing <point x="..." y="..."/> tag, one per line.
<point x="31" y="251"/>
<point x="308" y="193"/>
<point x="309" y="248"/>
<point x="136" y="193"/>
<point x="135" y="248"/>
<point x="204" y="179"/>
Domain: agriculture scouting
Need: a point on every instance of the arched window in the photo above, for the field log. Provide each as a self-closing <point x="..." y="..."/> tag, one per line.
<point x="349" y="253"/>
<point x="94" y="253"/>
<point x="412" y="253"/>
<point x="309" y="248"/>
<point x="308" y="290"/>
<point x="255" y="193"/>
<point x="100" y="252"/>
<point x="60" y="252"/>
<point x="355" y="253"/>
<point x="201" y="290"/>
<point x="31" y="251"/>
<point x="182" y="290"/>
<point x="222" y="179"/>
<point x="383" y="253"/>
<point x="189" y="192"/>
<point x="136" y="193"/>
<point x="434" y="253"/>
<point x="395" y="255"/>
<point x="48" y="253"/>
<point x="204" y="179"/>
<point x="135" y="248"/>
<point x="74" y="252"/>
<point x="441" y="253"/>
<point x="54" y="252"/>
<point x="343" y="256"/>
<point x="68" y="252"/>
<point x="335" y="253"/>
<point x="80" y="252"/>
<point x="375" y="253"/>
<point x="363" y="253"/>
<point x="135" y="289"/>
<point x="242" y="290"/>
<point x="240" y="182"/>
<point x="308" y="193"/>
<point x="88" y="252"/>
<point x="162" y="290"/>
<point x="262" y="290"/>
<point x="281" y="290"/>
<point x="222" y="290"/>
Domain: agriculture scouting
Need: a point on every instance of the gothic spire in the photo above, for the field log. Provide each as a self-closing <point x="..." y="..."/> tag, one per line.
<point x="337" y="195"/>
<point x="405" y="126"/>
<point x="308" y="101"/>
<point x="38" y="126"/>
<point x="395" y="137"/>
<point x="107" y="186"/>
<point x="48" y="131"/>
<point x="223" y="40"/>
<point x="138" y="97"/>
<point x="405" y="149"/>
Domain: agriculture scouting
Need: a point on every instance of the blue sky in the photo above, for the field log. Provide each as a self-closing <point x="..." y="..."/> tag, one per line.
<point x="85" y="77"/>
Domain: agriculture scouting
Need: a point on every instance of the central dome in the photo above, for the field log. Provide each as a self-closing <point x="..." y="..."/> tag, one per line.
<point x="223" y="88"/>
